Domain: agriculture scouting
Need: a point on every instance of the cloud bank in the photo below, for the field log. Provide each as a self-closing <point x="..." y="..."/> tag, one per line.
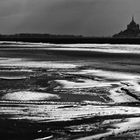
<point x="86" y="17"/>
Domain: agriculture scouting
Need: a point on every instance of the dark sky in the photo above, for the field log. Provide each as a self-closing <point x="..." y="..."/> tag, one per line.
<point x="86" y="17"/>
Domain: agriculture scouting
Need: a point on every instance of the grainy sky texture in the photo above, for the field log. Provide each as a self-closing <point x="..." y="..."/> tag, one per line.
<point x="85" y="17"/>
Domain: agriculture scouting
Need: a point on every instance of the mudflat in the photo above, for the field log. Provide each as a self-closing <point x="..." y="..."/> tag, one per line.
<point x="69" y="91"/>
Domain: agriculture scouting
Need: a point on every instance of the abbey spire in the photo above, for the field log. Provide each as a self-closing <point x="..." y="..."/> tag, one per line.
<point x="132" y="18"/>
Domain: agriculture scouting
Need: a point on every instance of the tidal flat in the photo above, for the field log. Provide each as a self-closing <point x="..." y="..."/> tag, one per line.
<point x="71" y="91"/>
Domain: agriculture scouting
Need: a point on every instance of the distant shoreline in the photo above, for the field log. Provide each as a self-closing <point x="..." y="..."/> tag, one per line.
<point x="71" y="40"/>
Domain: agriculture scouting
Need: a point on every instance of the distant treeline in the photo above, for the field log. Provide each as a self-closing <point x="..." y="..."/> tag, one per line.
<point x="66" y="39"/>
<point x="36" y="35"/>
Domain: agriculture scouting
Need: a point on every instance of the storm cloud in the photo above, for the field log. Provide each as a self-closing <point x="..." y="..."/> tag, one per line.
<point x="86" y="17"/>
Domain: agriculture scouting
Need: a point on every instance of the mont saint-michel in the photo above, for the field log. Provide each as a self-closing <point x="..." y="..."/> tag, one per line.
<point x="132" y="31"/>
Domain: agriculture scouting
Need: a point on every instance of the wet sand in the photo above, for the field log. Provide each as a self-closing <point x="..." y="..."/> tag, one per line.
<point x="74" y="91"/>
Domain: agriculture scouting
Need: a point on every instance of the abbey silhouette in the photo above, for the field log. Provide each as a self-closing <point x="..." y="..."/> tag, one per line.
<point x="132" y="31"/>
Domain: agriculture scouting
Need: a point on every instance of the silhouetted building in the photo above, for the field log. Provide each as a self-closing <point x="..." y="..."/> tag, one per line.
<point x="132" y="30"/>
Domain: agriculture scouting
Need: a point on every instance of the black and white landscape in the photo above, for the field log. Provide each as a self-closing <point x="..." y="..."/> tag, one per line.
<point x="69" y="91"/>
<point x="69" y="70"/>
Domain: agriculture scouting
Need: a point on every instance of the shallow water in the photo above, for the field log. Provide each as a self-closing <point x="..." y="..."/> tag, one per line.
<point x="27" y="95"/>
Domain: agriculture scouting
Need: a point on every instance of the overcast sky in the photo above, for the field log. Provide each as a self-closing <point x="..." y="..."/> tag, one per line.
<point x="85" y="17"/>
